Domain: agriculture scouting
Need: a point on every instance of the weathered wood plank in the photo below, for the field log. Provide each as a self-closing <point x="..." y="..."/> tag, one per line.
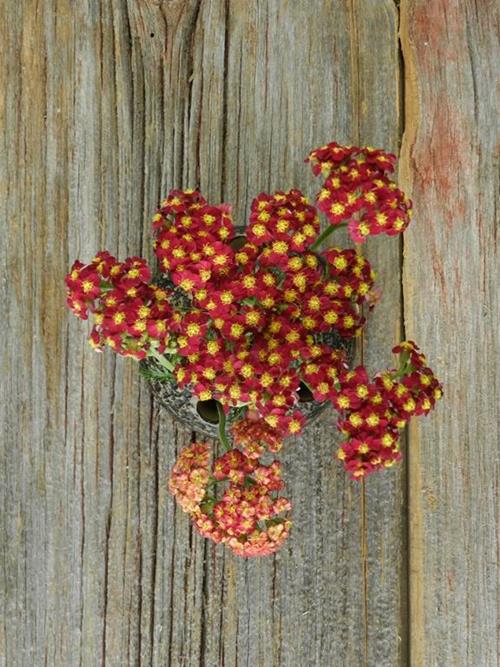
<point x="379" y="108"/>
<point x="267" y="114"/>
<point x="451" y="307"/>
<point x="107" y="106"/>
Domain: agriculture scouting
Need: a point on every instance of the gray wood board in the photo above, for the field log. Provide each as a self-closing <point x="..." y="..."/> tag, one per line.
<point x="450" y="285"/>
<point x="107" y="106"/>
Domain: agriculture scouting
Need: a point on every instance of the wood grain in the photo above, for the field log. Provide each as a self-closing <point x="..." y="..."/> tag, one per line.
<point x="107" y="106"/>
<point x="451" y="307"/>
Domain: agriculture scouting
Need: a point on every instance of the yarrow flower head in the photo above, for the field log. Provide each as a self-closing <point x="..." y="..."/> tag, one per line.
<point x="247" y="320"/>
<point x="190" y="476"/>
<point x="131" y="314"/>
<point x="357" y="190"/>
<point x="234" y="502"/>
<point x="285" y="222"/>
<point x="255" y="436"/>
<point x="373" y="412"/>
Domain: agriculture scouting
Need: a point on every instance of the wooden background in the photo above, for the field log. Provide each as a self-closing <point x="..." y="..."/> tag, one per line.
<point x="105" y="106"/>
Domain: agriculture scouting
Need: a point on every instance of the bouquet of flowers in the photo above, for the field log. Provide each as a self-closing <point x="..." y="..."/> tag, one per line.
<point x="245" y="321"/>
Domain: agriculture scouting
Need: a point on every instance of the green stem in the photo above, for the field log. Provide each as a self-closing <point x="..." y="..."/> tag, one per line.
<point x="161" y="359"/>
<point x="405" y="369"/>
<point x="329" y="230"/>
<point x="222" y="428"/>
<point x="249" y="482"/>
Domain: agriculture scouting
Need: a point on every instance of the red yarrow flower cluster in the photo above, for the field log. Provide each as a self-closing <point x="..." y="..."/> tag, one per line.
<point x="358" y="190"/>
<point x="253" y="309"/>
<point x="285" y="222"/>
<point x="191" y="239"/>
<point x="236" y="502"/>
<point x="374" y="411"/>
<point x="131" y="314"/>
<point x="246" y="320"/>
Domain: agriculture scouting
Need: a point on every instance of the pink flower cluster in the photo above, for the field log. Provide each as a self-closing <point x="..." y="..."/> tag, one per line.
<point x="236" y="502"/>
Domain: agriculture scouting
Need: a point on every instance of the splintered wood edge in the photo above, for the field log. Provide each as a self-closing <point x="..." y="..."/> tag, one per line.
<point x="414" y="516"/>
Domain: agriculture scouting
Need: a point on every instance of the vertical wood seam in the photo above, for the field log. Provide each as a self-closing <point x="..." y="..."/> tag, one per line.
<point x="355" y="65"/>
<point x="405" y="653"/>
<point x="404" y="589"/>
<point x="414" y="509"/>
<point x="155" y="522"/>
<point x="224" y="99"/>
<point x="354" y="42"/>
<point x="82" y="507"/>
<point x="364" y="561"/>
